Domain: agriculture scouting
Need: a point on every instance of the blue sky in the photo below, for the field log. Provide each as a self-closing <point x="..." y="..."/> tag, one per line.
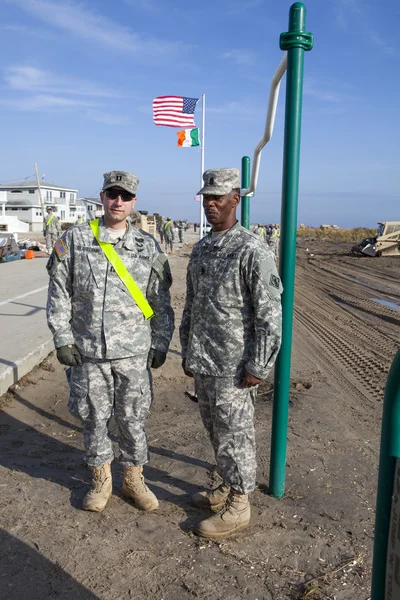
<point x="78" y="78"/>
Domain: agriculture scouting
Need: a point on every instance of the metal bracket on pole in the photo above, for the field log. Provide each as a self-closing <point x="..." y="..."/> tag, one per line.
<point x="269" y="126"/>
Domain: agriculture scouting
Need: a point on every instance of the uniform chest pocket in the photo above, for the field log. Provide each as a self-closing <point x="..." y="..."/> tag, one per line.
<point x="88" y="275"/>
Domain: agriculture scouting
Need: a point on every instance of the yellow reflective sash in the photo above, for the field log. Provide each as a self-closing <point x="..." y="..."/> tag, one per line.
<point x="261" y="232"/>
<point x="50" y="220"/>
<point x="167" y="224"/>
<point x="115" y="260"/>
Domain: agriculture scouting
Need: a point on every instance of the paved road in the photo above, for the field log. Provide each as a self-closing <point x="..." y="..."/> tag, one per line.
<point x="24" y="337"/>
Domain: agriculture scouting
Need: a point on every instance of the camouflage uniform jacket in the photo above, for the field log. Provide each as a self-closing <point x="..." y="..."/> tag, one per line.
<point x="169" y="231"/>
<point x="89" y="305"/>
<point x="232" y="315"/>
<point x="54" y="227"/>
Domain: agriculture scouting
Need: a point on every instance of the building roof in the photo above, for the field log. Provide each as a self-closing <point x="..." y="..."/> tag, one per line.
<point x="92" y="200"/>
<point x="33" y="185"/>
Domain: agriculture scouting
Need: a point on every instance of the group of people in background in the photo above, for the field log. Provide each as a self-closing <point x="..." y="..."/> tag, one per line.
<point x="167" y="229"/>
<point x="270" y="234"/>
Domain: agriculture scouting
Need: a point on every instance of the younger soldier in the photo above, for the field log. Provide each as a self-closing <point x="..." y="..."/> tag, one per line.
<point x="107" y="279"/>
<point x="230" y="335"/>
<point x="51" y="229"/>
<point x="169" y="235"/>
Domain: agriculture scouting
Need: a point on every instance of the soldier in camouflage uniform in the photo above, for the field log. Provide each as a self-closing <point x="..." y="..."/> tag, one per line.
<point x="51" y="229"/>
<point x="180" y="226"/>
<point x="102" y="335"/>
<point x="230" y="336"/>
<point x="274" y="240"/>
<point x="260" y="231"/>
<point x="169" y="235"/>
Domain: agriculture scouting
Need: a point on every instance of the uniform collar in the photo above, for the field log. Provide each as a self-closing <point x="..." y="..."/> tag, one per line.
<point x="129" y="237"/>
<point x="226" y="235"/>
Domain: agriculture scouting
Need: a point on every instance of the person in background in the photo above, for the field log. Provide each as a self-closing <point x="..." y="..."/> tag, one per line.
<point x="230" y="336"/>
<point x="51" y="229"/>
<point x="180" y="227"/>
<point x="260" y="231"/>
<point x="274" y="240"/>
<point x="169" y="235"/>
<point x="160" y="229"/>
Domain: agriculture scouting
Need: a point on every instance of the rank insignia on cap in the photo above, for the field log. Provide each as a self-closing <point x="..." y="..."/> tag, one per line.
<point x="211" y="181"/>
<point x="118" y="178"/>
<point x="60" y="248"/>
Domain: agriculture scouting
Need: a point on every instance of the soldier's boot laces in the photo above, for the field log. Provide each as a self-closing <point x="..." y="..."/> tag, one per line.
<point x="212" y="499"/>
<point x="233" y="516"/>
<point x="135" y="488"/>
<point x="97" y="497"/>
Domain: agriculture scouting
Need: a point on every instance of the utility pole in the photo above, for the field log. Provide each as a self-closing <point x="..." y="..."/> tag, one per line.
<point x="40" y="193"/>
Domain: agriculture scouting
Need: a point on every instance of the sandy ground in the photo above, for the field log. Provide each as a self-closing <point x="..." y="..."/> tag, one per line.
<point x="314" y="544"/>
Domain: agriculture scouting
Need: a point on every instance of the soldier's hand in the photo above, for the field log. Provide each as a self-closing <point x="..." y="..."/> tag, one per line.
<point x="155" y="359"/>
<point x="188" y="373"/>
<point x="249" y="380"/>
<point x="69" y="355"/>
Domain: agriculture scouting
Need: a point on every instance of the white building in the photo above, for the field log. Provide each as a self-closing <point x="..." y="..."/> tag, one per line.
<point x="92" y="206"/>
<point x="23" y="202"/>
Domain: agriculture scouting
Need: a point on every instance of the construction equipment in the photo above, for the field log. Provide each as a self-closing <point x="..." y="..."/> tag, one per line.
<point x="385" y="243"/>
<point x="144" y="221"/>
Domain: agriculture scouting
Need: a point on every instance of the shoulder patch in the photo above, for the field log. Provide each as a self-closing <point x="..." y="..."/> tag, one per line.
<point x="60" y="248"/>
<point x="274" y="281"/>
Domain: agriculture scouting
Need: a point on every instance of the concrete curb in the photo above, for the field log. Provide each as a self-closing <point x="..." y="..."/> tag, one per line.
<point x="12" y="372"/>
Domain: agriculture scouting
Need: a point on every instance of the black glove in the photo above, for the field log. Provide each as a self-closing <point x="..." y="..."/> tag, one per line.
<point x="156" y="358"/>
<point x="69" y="355"/>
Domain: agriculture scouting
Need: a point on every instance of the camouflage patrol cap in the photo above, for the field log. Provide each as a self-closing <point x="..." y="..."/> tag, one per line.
<point x="220" y="181"/>
<point x="123" y="179"/>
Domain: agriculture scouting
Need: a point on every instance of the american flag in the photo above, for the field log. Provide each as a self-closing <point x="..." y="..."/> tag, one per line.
<point x="174" y="111"/>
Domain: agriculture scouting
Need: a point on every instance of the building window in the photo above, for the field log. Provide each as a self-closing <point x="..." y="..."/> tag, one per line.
<point x="31" y="191"/>
<point x="62" y="194"/>
<point x="72" y="196"/>
<point x="49" y="195"/>
<point x="38" y="213"/>
<point x="24" y="208"/>
<point x="16" y="192"/>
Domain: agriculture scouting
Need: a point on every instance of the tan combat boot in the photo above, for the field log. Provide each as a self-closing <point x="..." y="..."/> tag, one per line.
<point x="213" y="499"/>
<point x="134" y="487"/>
<point x="97" y="498"/>
<point x="233" y="516"/>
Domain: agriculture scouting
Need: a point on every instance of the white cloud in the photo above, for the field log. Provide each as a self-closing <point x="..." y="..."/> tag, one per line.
<point x="236" y="8"/>
<point x="88" y="24"/>
<point x="43" y="102"/>
<point x="33" y="79"/>
<point x="240" y="57"/>
<point x="352" y="15"/>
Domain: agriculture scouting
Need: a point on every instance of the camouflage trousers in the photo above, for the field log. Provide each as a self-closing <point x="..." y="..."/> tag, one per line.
<point x="98" y="388"/>
<point x="161" y="232"/>
<point x="227" y="412"/>
<point x="180" y="234"/>
<point x="169" y="243"/>
<point x="51" y="239"/>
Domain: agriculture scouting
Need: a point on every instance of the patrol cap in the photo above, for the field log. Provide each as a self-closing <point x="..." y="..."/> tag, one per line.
<point x="123" y="179"/>
<point x="220" y="181"/>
